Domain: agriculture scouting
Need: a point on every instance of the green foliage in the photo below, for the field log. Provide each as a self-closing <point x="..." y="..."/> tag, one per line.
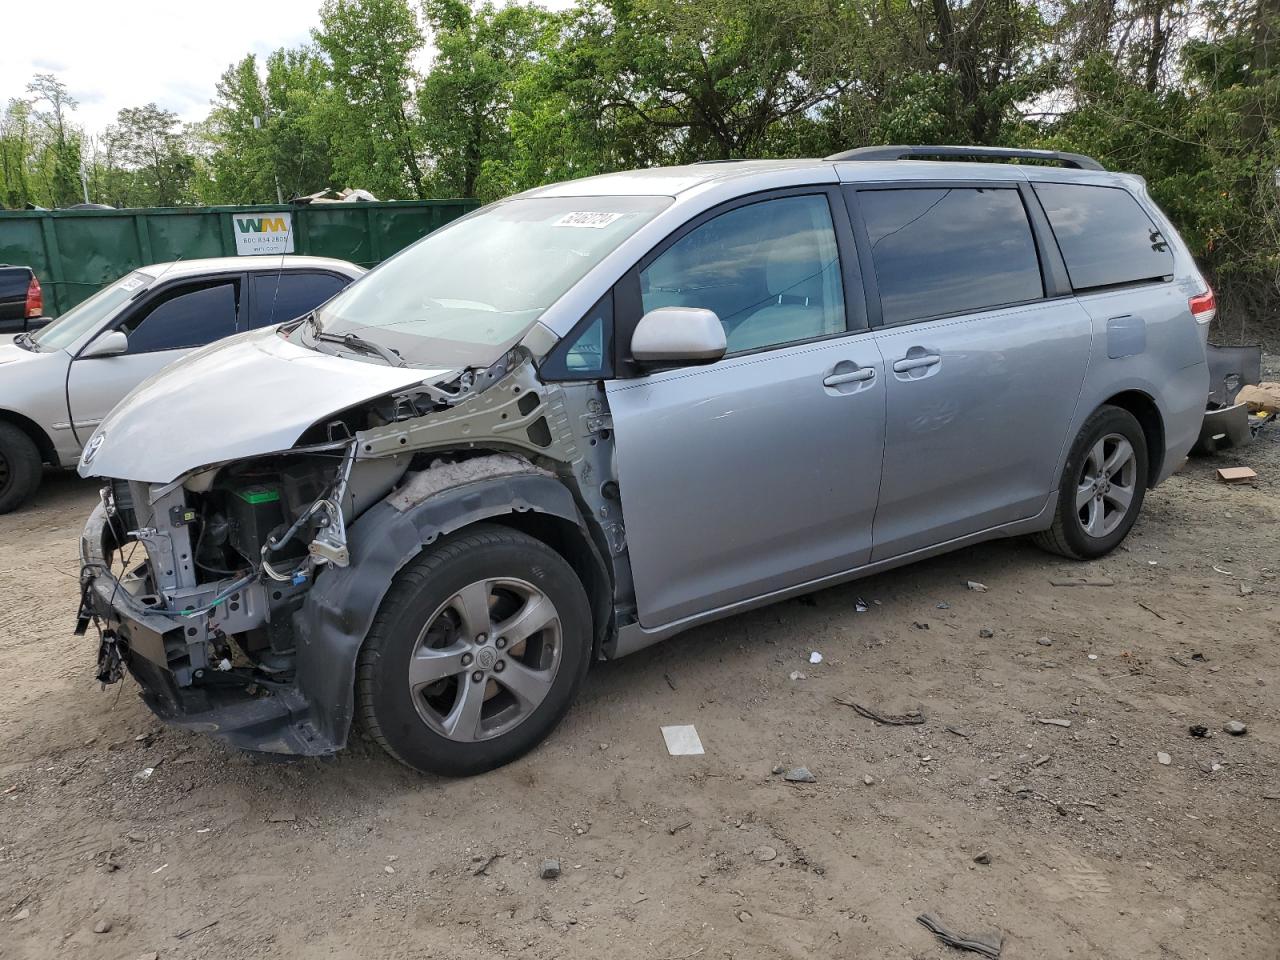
<point x="465" y="100"/>
<point x="374" y="135"/>
<point x="1184" y="92"/>
<point x="268" y="139"/>
<point x="153" y="166"/>
<point x="57" y="162"/>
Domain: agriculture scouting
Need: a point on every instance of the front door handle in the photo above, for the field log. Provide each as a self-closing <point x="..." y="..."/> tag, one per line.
<point x="907" y="364"/>
<point x="853" y="376"/>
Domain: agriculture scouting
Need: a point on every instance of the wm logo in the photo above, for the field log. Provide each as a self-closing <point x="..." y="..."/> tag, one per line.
<point x="262" y="225"/>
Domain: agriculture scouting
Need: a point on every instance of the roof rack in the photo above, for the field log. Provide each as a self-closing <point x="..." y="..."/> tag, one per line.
<point x="1076" y="160"/>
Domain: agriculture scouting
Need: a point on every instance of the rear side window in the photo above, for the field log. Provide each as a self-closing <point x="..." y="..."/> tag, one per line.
<point x="186" y="317"/>
<point x="952" y="250"/>
<point x="1105" y="236"/>
<point x="278" y="297"/>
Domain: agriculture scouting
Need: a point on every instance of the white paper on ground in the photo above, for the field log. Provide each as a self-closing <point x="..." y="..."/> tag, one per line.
<point x="682" y="741"/>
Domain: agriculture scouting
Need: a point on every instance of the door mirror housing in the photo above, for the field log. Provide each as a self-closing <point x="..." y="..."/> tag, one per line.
<point x="110" y="344"/>
<point x="678" y="336"/>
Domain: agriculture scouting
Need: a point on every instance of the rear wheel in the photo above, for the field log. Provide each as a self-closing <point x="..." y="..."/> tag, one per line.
<point x="477" y="651"/>
<point x="1102" y="488"/>
<point x="20" y="467"/>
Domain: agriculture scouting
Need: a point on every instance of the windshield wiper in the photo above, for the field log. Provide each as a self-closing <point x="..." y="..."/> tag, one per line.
<point x="24" y="341"/>
<point x="353" y="342"/>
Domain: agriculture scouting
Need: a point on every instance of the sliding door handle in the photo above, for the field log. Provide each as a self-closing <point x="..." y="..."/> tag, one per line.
<point x="907" y="364"/>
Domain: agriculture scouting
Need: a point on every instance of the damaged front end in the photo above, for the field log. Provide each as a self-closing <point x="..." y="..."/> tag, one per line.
<point x="238" y="594"/>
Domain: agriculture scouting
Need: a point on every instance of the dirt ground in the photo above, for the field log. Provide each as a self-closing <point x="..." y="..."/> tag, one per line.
<point x="1097" y="849"/>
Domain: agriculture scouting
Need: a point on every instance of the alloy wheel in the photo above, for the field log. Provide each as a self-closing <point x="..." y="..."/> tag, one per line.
<point x="486" y="659"/>
<point x="1107" y="485"/>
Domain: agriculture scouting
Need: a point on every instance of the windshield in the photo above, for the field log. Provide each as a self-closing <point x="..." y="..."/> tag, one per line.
<point x="482" y="281"/>
<point x="87" y="314"/>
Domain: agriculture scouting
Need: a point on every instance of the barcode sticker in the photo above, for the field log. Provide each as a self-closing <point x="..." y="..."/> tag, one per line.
<point x="587" y="218"/>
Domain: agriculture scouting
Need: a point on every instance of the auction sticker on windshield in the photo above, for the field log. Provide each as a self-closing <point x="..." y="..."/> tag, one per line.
<point x="586" y="218"/>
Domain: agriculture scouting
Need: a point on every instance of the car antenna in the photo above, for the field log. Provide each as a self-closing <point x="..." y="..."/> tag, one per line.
<point x="284" y="248"/>
<point x="157" y="278"/>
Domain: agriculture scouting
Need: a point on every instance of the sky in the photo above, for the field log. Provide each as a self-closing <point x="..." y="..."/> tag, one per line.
<point x="126" y="53"/>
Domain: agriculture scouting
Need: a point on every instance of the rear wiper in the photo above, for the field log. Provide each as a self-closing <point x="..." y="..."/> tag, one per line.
<point x="353" y="342"/>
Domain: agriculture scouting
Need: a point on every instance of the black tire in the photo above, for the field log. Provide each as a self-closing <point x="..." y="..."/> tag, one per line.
<point x="1068" y="536"/>
<point x="385" y="705"/>
<point x="21" y="467"/>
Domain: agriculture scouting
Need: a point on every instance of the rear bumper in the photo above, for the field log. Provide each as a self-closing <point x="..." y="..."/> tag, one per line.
<point x="153" y="647"/>
<point x="1184" y="396"/>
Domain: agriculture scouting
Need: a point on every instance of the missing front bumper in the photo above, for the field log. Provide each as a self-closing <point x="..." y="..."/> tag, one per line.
<point x="274" y="718"/>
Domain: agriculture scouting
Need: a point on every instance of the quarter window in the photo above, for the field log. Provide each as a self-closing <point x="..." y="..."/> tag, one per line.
<point x="769" y="270"/>
<point x="1105" y="236"/>
<point x="588" y="353"/>
<point x="187" y="318"/>
<point x="947" y="251"/>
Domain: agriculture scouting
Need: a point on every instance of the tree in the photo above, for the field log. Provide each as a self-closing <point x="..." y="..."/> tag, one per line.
<point x="375" y="139"/>
<point x="709" y="78"/>
<point x="15" y="154"/>
<point x="60" y="157"/>
<point x="148" y="145"/>
<point x="465" y="100"/>
<point x="287" y="147"/>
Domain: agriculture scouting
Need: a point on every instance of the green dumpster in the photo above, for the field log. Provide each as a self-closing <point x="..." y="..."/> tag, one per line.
<point x="75" y="252"/>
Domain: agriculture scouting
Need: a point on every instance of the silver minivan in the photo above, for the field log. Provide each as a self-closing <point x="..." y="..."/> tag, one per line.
<point x="594" y="415"/>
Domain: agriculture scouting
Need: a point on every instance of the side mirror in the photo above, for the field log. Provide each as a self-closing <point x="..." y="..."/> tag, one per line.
<point x="108" y="345"/>
<point x="674" y="336"/>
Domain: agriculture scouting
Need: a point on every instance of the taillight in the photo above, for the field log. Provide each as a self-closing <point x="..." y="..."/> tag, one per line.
<point x="1204" y="307"/>
<point x="35" y="298"/>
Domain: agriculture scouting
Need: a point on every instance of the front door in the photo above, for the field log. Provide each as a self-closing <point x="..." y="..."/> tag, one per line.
<point x="166" y="326"/>
<point x="983" y="371"/>
<point x="760" y="471"/>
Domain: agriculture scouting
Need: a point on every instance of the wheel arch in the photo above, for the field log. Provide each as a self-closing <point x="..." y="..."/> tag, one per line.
<point x="48" y="452"/>
<point x="573" y="542"/>
<point x="334" y="620"/>
<point x="1147" y="413"/>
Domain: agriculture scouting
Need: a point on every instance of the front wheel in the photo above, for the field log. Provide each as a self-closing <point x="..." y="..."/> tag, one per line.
<point x="20" y="467"/>
<point x="477" y="651"/>
<point x="1102" y="487"/>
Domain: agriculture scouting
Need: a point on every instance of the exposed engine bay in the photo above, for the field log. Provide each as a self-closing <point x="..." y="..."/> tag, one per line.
<point x="206" y="587"/>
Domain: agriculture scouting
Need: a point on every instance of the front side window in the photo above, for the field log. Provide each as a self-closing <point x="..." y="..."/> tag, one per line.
<point x="947" y="251"/>
<point x="288" y="294"/>
<point x="188" y="317"/>
<point x="87" y="314"/>
<point x="769" y="270"/>
<point x="1105" y="236"/>
<point x="471" y="288"/>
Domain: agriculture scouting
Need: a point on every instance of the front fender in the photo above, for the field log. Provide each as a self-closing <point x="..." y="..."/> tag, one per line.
<point x="339" y="610"/>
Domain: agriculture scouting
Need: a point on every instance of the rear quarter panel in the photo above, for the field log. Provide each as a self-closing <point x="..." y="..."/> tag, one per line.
<point x="1145" y="339"/>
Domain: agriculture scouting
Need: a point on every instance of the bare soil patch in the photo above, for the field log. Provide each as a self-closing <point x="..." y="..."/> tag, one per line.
<point x="1096" y="848"/>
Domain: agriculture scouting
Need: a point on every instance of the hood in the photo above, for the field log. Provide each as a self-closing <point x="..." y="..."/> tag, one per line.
<point x="246" y="396"/>
<point x="33" y="381"/>
<point x="10" y="353"/>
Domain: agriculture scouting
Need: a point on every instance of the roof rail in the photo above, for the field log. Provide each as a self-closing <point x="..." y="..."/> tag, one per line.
<point x="1077" y="160"/>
